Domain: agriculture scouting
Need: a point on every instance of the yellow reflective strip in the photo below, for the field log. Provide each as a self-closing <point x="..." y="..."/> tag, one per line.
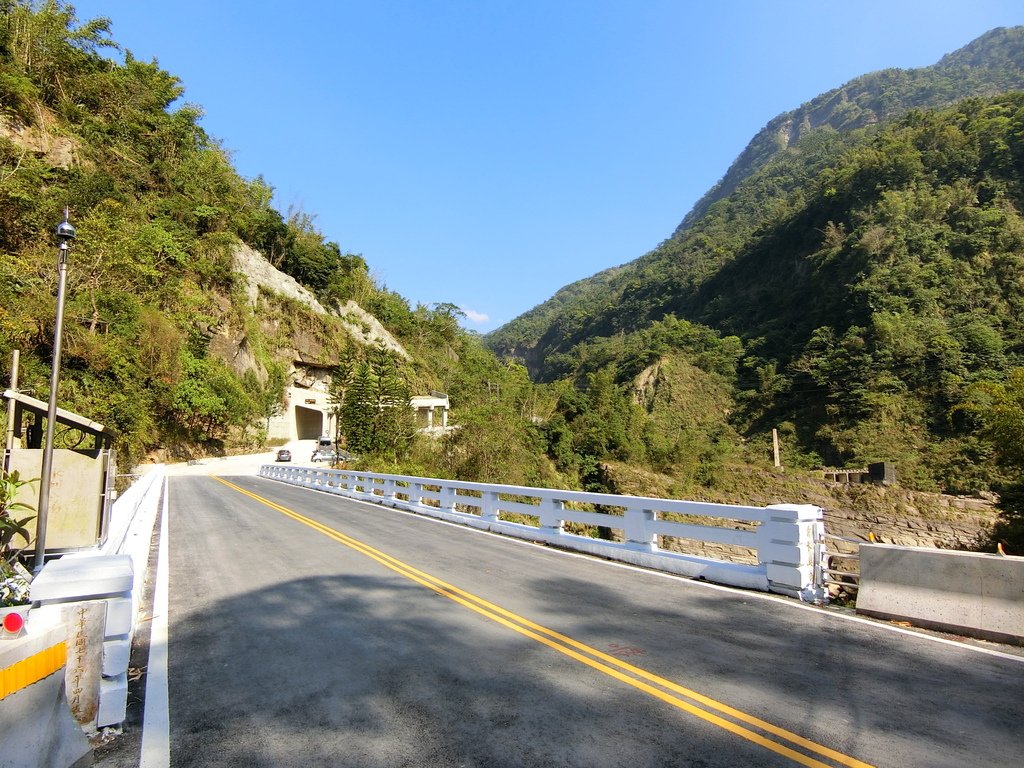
<point x="32" y="669"/>
<point x="600" y="660"/>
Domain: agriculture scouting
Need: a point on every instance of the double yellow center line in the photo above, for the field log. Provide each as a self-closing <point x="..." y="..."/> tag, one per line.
<point x="771" y="737"/>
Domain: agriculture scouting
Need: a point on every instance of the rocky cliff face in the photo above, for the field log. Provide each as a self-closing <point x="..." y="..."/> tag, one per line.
<point x="299" y="330"/>
<point x="257" y="273"/>
<point x="58" y="151"/>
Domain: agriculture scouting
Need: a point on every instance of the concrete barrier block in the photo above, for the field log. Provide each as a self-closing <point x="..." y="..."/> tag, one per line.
<point x="80" y="578"/>
<point x="791" y="554"/>
<point x="793" y="577"/>
<point x="971" y="593"/>
<point x="119" y="616"/>
<point x="36" y="727"/>
<point x="115" y="657"/>
<point x="113" y="701"/>
<point x="794" y="513"/>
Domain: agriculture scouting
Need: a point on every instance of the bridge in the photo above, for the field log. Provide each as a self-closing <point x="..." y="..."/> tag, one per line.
<point x="310" y="617"/>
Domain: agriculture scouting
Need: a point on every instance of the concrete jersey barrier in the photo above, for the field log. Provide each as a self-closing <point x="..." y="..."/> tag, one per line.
<point x="968" y="593"/>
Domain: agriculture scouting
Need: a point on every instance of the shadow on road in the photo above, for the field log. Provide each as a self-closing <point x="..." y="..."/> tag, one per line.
<point x="386" y="683"/>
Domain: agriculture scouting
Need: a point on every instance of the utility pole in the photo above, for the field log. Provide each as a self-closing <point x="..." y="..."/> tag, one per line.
<point x="775" y="447"/>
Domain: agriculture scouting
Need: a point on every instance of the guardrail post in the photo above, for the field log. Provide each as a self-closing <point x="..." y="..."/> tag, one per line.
<point x="448" y="498"/>
<point x="787" y="547"/>
<point x="637" y="531"/>
<point x="551" y="520"/>
<point x="489" y="506"/>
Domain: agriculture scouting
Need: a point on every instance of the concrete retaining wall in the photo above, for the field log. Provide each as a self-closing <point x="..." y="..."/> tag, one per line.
<point x="36" y="727"/>
<point x="967" y="593"/>
<point x="85" y="605"/>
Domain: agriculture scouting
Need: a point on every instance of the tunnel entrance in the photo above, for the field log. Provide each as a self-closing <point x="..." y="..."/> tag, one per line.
<point x="309" y="423"/>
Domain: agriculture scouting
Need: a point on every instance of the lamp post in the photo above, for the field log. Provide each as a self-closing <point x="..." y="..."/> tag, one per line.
<point x="65" y="233"/>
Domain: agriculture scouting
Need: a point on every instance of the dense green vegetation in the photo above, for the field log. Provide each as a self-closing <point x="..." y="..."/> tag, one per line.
<point x="157" y="207"/>
<point x="859" y="289"/>
<point x="152" y="291"/>
<point x="868" y="296"/>
<point x="866" y="285"/>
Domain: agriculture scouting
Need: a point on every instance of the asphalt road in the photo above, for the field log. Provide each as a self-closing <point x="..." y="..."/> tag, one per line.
<point x="325" y="632"/>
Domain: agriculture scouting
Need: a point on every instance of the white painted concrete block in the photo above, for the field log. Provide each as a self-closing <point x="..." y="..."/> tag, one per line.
<point x="795" y="512"/>
<point x="45" y="616"/>
<point x="113" y="700"/>
<point x="83" y="577"/>
<point x="119" y="616"/>
<point x="115" y="657"/>
<point x="778" y="531"/>
<point x="790" y="554"/>
<point x="796" y="577"/>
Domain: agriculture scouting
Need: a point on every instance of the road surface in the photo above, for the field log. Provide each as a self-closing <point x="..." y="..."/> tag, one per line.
<point x="309" y="630"/>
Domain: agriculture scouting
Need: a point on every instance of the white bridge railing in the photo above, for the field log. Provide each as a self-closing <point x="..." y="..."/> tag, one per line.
<point x="785" y="537"/>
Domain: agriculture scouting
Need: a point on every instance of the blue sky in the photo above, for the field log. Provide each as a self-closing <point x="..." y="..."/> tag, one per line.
<point x="488" y="152"/>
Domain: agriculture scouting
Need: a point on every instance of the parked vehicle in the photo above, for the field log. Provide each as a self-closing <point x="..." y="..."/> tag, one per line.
<point x="284" y="455"/>
<point x="333" y="456"/>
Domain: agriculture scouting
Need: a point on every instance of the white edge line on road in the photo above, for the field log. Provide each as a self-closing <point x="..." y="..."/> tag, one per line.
<point x="156" y="743"/>
<point x="735" y="591"/>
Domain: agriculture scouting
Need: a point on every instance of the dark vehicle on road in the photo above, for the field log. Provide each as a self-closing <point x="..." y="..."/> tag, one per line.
<point x="284" y="455"/>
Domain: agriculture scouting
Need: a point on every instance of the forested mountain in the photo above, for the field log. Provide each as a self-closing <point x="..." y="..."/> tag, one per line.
<point x="784" y="155"/>
<point x="994" y="63"/>
<point x="860" y="290"/>
<point x="865" y="276"/>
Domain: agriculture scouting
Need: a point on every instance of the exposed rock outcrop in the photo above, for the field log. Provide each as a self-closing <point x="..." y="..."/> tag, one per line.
<point x="258" y="273"/>
<point x="59" y="151"/>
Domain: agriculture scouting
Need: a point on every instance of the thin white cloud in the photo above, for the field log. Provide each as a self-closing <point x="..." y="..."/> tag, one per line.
<point x="475" y="317"/>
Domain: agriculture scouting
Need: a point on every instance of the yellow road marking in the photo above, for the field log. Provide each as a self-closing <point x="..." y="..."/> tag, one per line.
<point x="31" y="670"/>
<point x="605" y="663"/>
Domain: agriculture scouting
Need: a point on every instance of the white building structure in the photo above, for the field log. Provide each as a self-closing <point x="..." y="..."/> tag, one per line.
<point x="429" y="410"/>
<point x="306" y="414"/>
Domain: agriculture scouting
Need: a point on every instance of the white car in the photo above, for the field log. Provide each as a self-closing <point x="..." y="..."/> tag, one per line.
<point x="333" y="456"/>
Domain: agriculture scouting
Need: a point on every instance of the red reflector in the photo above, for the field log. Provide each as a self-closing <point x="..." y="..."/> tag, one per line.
<point x="13" y="623"/>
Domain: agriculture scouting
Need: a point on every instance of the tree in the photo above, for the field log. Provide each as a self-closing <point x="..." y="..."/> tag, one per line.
<point x="999" y="411"/>
<point x="375" y="413"/>
<point x="342" y="376"/>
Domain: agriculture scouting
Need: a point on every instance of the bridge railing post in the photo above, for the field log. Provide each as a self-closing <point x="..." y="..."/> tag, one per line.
<point x="637" y="529"/>
<point x="390" y="490"/>
<point x="449" y="497"/>
<point x="489" y="506"/>
<point x="787" y="548"/>
<point x="551" y="519"/>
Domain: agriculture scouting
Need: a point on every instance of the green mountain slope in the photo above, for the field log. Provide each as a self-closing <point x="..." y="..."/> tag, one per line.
<point x="180" y="333"/>
<point x="759" y="188"/>
<point x="867" y="284"/>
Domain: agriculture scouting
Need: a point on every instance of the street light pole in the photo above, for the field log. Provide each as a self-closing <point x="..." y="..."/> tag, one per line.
<point x="65" y="233"/>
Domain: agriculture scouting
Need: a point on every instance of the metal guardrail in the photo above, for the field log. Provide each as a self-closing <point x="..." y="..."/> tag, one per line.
<point x="840" y="578"/>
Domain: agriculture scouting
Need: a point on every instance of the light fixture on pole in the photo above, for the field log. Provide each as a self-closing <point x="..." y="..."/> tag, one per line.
<point x="65" y="233"/>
